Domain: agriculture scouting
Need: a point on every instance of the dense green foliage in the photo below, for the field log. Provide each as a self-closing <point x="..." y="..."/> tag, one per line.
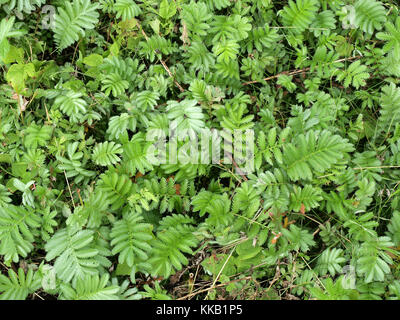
<point x="84" y="214"/>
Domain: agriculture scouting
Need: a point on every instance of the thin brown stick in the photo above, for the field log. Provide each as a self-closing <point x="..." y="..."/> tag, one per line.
<point x="238" y="170"/>
<point x="294" y="72"/>
<point x="377" y="167"/>
<point x="37" y="295"/>
<point x="308" y="217"/>
<point x="210" y="288"/>
<point x="69" y="188"/>
<point x="161" y="60"/>
<point x="277" y="275"/>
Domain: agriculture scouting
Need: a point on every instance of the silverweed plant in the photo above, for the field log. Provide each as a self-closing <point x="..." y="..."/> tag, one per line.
<point x="110" y="188"/>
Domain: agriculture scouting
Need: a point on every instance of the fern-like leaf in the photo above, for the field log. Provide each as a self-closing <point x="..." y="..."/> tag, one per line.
<point x="370" y="15"/>
<point x="317" y="150"/>
<point x="330" y="261"/>
<point x="169" y="248"/>
<point x="390" y="110"/>
<point x="374" y="261"/>
<point x="72" y="104"/>
<point x="90" y="288"/>
<point x="355" y="75"/>
<point x="119" y="124"/>
<point x="17" y="286"/>
<point x="323" y="23"/>
<point x="116" y="187"/>
<point x="115" y="84"/>
<point x="72" y="21"/>
<point x="186" y="114"/>
<point x="126" y="9"/>
<point x="105" y="153"/>
<point x="73" y="252"/>
<point x="392" y="36"/>
<point x="299" y="15"/>
<point x="37" y="136"/>
<point x="394" y="228"/>
<point x="130" y="239"/>
<point x="26" y="6"/>
<point x="300" y="239"/>
<point x="309" y="197"/>
<point x="16" y="231"/>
